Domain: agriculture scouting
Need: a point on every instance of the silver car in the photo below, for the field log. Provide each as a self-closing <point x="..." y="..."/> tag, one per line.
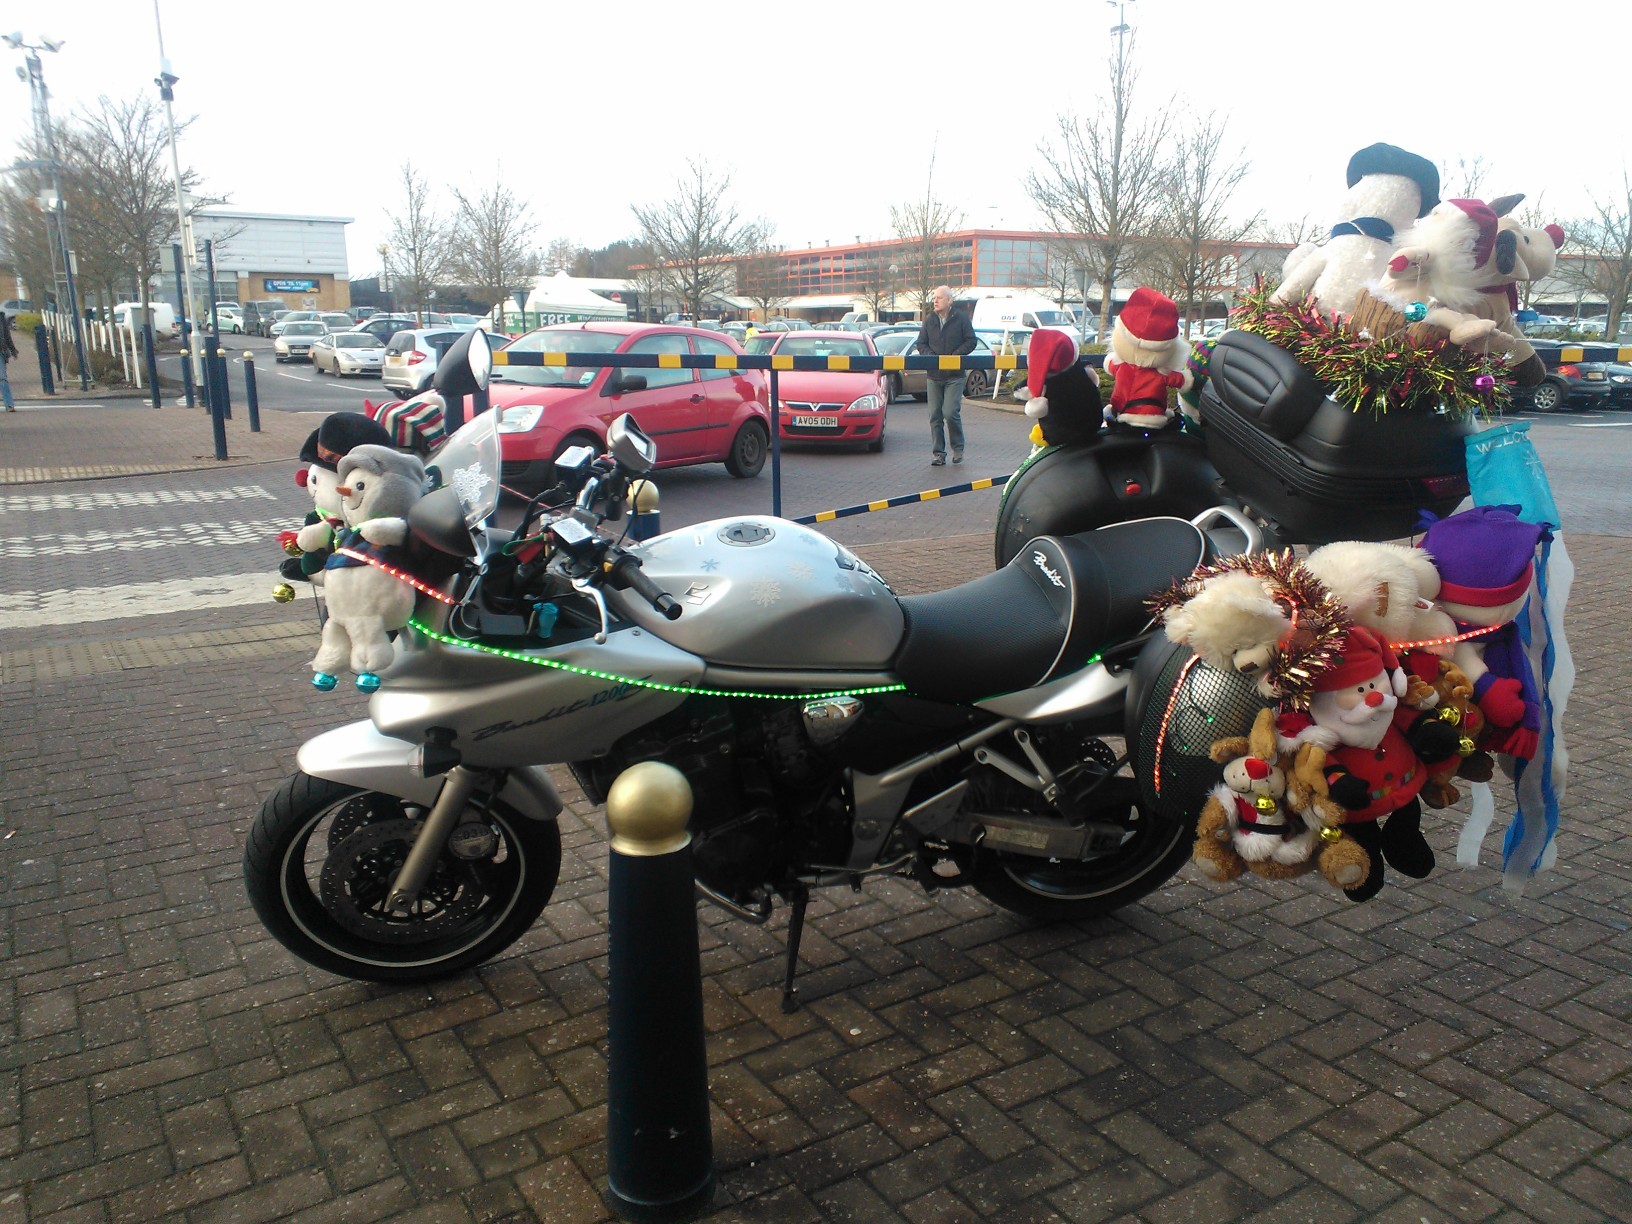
<point x="347" y="353"/>
<point x="294" y="316"/>
<point x="914" y="382"/>
<point x="294" y="342"/>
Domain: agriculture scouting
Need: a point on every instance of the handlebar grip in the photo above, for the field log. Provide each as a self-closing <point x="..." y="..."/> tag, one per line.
<point x="626" y="572"/>
<point x="668" y="605"/>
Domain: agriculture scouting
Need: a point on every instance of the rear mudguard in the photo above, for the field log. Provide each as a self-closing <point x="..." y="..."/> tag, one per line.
<point x="358" y="755"/>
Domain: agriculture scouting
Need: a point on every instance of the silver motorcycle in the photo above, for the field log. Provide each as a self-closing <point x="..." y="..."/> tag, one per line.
<point x="1027" y="734"/>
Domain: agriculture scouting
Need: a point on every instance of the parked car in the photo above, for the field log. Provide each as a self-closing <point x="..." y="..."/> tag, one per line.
<point x="361" y="313"/>
<point x="828" y="406"/>
<point x="294" y="342"/>
<point x="259" y="316"/>
<point x="347" y="353"/>
<point x="16" y="306"/>
<point x="1572" y="385"/>
<point x="914" y="382"/>
<point x="411" y="356"/>
<point x="464" y="322"/>
<point x="292" y="316"/>
<point x="1620" y="384"/>
<point x="336" y="320"/>
<point x="229" y="319"/>
<point x="383" y="327"/>
<point x="696" y="416"/>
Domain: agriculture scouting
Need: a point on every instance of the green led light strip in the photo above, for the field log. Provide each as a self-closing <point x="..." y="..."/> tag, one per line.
<point x="517" y="657"/>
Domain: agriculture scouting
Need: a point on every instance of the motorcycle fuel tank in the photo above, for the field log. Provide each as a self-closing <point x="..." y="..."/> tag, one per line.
<point x="764" y="592"/>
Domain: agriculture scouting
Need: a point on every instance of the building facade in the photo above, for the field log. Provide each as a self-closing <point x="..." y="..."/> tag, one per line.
<point x="296" y="259"/>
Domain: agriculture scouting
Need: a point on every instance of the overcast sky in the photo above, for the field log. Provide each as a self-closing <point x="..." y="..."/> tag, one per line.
<point x="826" y="113"/>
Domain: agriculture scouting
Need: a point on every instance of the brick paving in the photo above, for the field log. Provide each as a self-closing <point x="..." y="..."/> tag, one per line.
<point x="1258" y="1051"/>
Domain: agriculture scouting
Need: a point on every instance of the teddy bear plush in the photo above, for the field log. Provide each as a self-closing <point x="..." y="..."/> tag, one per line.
<point x="1061" y="394"/>
<point x="1450" y="696"/>
<point x="1389" y="188"/>
<point x="1271" y="815"/>
<point x="378" y="487"/>
<point x="1379" y="753"/>
<point x="1486" y="561"/>
<point x="1147" y="359"/>
<point x="310" y="546"/>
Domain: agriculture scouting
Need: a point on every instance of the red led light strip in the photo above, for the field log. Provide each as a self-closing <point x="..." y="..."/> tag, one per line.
<point x="399" y="575"/>
<point x="1167" y="717"/>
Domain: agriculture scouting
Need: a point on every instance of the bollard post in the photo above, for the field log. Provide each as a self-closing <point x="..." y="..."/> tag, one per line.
<point x="56" y="353"/>
<point x="42" y="349"/>
<point x="645" y="518"/>
<point x="152" y="359"/>
<point x="251" y="395"/>
<point x="660" y="1152"/>
<point x="188" y="390"/>
<point x="221" y="380"/>
<point x="776" y="446"/>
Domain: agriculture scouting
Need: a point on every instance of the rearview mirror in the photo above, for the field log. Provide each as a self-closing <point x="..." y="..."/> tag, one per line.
<point x="630" y="445"/>
<point x="465" y="367"/>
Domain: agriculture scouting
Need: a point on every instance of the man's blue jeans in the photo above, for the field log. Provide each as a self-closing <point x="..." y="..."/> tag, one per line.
<point x="946" y="414"/>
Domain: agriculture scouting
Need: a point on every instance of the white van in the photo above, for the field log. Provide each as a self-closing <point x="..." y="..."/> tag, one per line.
<point x="1028" y="312"/>
<point x="164" y="317"/>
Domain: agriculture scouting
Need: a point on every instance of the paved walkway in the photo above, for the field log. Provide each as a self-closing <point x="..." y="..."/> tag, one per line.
<point x="1262" y="1051"/>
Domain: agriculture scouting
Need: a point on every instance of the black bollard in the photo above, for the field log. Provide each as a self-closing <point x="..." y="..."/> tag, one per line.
<point x="56" y="354"/>
<point x="42" y="348"/>
<point x="251" y="395"/>
<point x="221" y="381"/>
<point x="659" y="1148"/>
<point x="645" y="518"/>
<point x="188" y="390"/>
<point x="152" y="359"/>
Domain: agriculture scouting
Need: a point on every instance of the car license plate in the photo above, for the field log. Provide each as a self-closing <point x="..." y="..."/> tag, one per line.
<point x="817" y="422"/>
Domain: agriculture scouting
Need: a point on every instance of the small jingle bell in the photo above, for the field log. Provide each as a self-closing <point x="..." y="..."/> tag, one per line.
<point x="1416" y="312"/>
<point x="1330" y="834"/>
<point x="283" y="593"/>
<point x="293" y="549"/>
<point x="1464" y="746"/>
<point x="1449" y="714"/>
<point x="324" y="682"/>
<point x="1265" y="804"/>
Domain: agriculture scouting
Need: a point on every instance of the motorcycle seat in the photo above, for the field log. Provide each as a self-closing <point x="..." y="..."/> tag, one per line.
<point x="1045" y="613"/>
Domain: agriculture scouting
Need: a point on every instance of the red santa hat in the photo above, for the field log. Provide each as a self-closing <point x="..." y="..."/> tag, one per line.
<point x="1361" y="657"/>
<point x="1049" y="353"/>
<point x="1150" y="319"/>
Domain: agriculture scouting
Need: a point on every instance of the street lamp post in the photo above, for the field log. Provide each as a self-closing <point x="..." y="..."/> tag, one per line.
<point x="895" y="271"/>
<point x="47" y="137"/>
<point x="166" y="81"/>
<point x="384" y="252"/>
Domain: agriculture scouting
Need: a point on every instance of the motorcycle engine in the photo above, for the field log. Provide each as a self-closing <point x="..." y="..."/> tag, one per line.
<point x="765" y="802"/>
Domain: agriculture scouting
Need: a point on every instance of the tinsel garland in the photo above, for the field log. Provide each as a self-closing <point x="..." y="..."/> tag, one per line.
<point x="1377" y="376"/>
<point x="1319" y="619"/>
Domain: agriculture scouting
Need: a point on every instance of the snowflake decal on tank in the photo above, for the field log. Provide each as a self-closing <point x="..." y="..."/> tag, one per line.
<point x="709" y="566"/>
<point x="801" y="571"/>
<point x="765" y="592"/>
<point x="468" y="483"/>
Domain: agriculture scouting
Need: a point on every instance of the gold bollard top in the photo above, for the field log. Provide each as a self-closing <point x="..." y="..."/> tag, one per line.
<point x="643" y="493"/>
<point x="647" y="809"/>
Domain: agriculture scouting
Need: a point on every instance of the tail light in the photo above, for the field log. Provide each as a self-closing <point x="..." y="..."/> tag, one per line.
<point x="1446" y="486"/>
<point x="1570" y="371"/>
<point x="415" y="357"/>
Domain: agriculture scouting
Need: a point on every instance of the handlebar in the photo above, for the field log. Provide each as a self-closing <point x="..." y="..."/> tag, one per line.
<point x="626" y="574"/>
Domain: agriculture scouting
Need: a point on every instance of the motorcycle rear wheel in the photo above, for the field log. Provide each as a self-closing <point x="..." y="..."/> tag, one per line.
<point x="1053" y="890"/>
<point x="321" y="856"/>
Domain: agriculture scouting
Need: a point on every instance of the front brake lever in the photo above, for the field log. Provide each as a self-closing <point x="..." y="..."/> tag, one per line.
<point x="587" y="586"/>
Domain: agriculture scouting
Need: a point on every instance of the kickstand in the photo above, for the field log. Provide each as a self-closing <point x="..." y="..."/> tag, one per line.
<point x="800" y="897"/>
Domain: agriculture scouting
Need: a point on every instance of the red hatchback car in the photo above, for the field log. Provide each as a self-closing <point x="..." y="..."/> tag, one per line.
<point x="832" y="406"/>
<point x="695" y="416"/>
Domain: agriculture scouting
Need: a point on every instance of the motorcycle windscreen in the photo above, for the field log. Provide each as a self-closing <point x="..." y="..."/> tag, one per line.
<point x="468" y="463"/>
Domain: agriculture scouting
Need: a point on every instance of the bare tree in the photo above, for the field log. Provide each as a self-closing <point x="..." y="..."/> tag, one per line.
<point x="561" y="255"/>
<point x="762" y="278"/>
<point x="492" y="250"/>
<point x="1291" y="233"/>
<point x="1192" y="246"/>
<point x="27" y="240"/>
<point x="1101" y="180"/>
<point x="1464" y="178"/>
<point x="696" y="235"/>
<point x="874" y="283"/>
<point x="1533" y="215"/>
<point x="1604" y="267"/>
<point x="419" y="240"/>
<point x="920" y="224"/>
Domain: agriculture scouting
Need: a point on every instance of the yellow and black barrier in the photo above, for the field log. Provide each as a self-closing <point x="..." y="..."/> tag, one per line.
<point x="1552" y="358"/>
<point x="767" y="361"/>
<point x="905" y="499"/>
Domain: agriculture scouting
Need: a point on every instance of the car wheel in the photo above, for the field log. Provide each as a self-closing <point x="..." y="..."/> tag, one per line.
<point x="876" y="445"/>
<point x="1548" y="397"/>
<point x="747" y="455"/>
<point x="979" y="383"/>
<point x="895" y="387"/>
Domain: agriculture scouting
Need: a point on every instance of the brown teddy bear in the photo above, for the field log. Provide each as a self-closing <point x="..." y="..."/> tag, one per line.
<point x="1272" y="815"/>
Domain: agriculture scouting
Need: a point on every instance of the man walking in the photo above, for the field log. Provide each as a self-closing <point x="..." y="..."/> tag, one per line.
<point x="945" y="333"/>
<point x="8" y="350"/>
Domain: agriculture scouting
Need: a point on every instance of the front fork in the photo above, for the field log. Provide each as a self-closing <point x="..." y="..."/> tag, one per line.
<point x="457" y="789"/>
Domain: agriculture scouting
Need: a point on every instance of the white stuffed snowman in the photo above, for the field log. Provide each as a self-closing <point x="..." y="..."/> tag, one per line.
<point x="377" y="487"/>
<point x="310" y="546"/>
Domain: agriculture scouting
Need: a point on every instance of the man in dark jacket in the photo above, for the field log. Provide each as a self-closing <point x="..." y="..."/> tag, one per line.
<point x="945" y="333"/>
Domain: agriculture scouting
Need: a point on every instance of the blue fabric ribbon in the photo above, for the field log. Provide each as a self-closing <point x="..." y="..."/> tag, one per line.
<point x="1365" y="227"/>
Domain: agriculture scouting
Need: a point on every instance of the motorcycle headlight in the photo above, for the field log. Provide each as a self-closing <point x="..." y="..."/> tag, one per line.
<point x="867" y="403"/>
<point x="520" y="419"/>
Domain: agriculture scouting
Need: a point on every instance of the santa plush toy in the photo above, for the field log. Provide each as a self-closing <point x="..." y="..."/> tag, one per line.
<point x="1147" y="359"/>
<point x="1379" y="753"/>
<point x="1061" y="394"/>
<point x="325" y="447"/>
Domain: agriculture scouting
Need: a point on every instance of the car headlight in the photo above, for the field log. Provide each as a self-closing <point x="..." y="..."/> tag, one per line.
<point x="520" y="419"/>
<point x="867" y="403"/>
<point x="1620" y="378"/>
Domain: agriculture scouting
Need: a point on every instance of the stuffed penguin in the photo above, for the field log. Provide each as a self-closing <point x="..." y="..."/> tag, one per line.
<point x="378" y="486"/>
<point x="1061" y="394"/>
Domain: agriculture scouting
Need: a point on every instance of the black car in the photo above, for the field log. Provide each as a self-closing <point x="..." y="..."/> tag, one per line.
<point x="383" y="327"/>
<point x="1620" y="384"/>
<point x="1568" y="386"/>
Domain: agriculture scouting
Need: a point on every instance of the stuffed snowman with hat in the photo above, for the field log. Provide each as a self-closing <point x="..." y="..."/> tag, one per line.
<point x="1379" y="752"/>
<point x="1147" y="358"/>
<point x="1061" y="394"/>
<point x="1486" y="562"/>
<point x="325" y="447"/>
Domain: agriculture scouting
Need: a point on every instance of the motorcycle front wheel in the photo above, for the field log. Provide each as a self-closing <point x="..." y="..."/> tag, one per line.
<point x="321" y="858"/>
<point x="1058" y="890"/>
